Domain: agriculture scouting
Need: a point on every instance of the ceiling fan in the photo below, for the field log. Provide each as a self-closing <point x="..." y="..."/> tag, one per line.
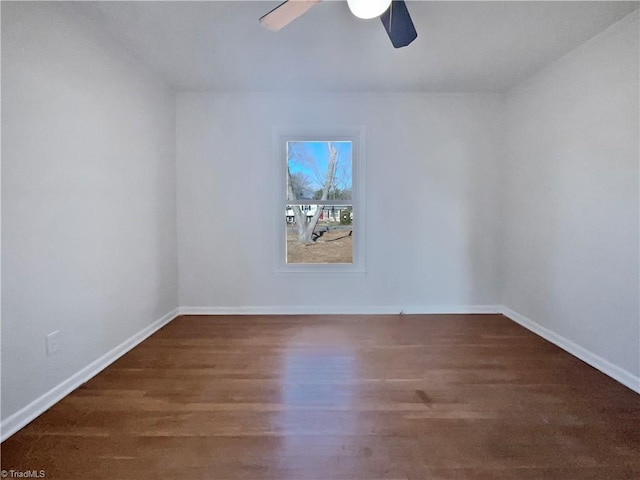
<point x="393" y="13"/>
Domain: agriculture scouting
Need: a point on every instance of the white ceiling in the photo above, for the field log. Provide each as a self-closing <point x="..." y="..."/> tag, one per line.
<point x="461" y="46"/>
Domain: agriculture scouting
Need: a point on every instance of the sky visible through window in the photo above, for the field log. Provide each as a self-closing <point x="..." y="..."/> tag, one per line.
<point x="308" y="162"/>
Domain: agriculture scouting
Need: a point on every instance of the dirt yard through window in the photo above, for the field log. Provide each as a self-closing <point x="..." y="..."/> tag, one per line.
<point x="333" y="246"/>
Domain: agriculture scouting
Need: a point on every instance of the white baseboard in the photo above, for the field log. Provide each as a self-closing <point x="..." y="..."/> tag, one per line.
<point x="16" y="421"/>
<point x="339" y="310"/>
<point x="621" y="375"/>
<point x="22" y="417"/>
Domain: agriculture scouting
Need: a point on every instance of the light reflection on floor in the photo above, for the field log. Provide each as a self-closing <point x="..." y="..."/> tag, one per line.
<point x="317" y="388"/>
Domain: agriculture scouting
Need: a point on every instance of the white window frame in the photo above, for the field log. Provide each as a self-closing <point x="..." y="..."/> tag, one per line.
<point x="354" y="134"/>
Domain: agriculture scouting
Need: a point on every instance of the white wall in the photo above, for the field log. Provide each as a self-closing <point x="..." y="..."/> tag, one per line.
<point x="88" y="198"/>
<point x="570" y="251"/>
<point x="431" y="202"/>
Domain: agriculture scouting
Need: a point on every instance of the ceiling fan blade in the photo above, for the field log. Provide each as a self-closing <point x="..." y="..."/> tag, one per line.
<point x="286" y="13"/>
<point x="398" y="24"/>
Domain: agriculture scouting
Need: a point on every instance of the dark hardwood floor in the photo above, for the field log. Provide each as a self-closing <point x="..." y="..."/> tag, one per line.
<point x="339" y="397"/>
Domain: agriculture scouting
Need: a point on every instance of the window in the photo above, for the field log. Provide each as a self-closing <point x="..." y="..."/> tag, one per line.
<point x="321" y="202"/>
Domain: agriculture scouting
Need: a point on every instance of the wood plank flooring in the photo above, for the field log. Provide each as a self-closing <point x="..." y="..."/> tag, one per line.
<point x="339" y="397"/>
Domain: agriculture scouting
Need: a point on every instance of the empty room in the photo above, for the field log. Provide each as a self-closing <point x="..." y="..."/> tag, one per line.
<point x="350" y="240"/>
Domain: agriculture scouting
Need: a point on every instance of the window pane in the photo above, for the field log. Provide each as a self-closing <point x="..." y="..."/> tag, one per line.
<point x="319" y="233"/>
<point x="319" y="170"/>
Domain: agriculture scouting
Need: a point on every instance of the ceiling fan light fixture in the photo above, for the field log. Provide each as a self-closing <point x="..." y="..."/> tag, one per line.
<point x="367" y="9"/>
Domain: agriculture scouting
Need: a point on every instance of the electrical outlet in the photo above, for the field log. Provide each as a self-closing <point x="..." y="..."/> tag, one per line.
<point x="51" y="342"/>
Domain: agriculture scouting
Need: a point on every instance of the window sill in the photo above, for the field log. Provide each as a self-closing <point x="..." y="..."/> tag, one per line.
<point x="321" y="269"/>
